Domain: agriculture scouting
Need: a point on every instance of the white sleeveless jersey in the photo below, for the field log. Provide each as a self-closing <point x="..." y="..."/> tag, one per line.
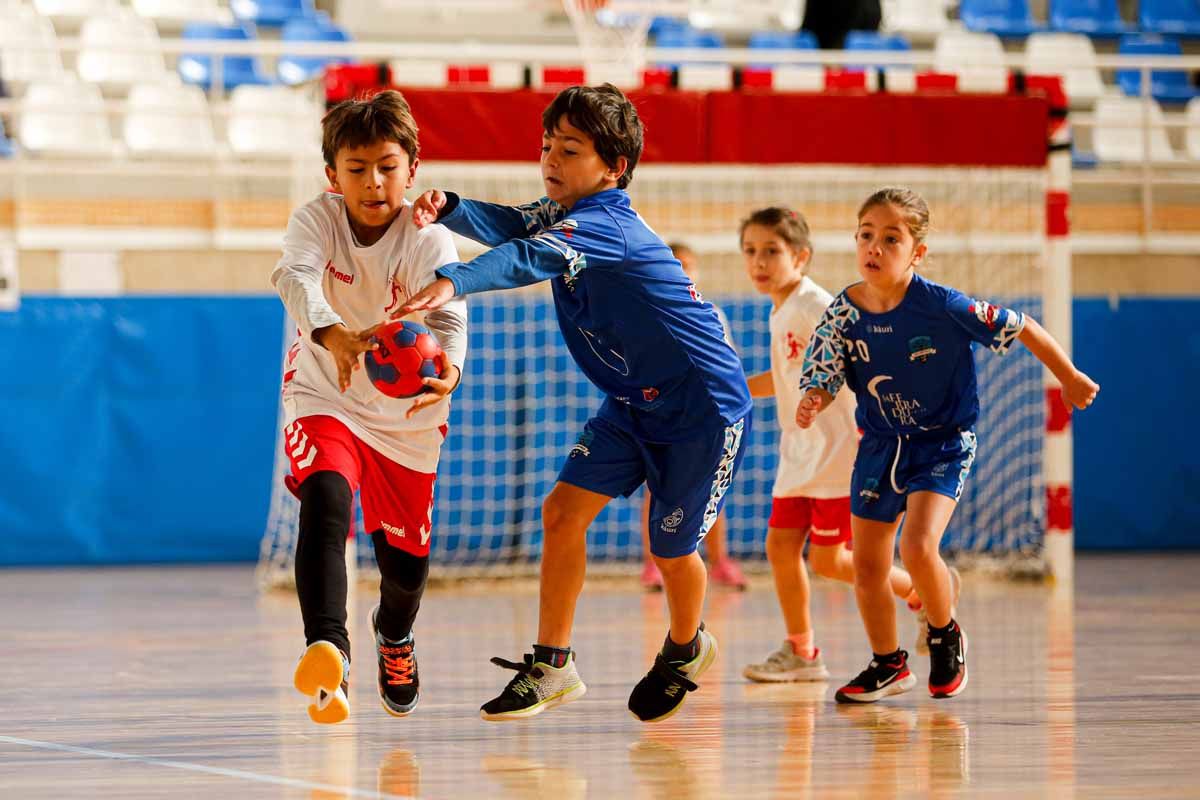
<point x="324" y="278"/>
<point x="816" y="462"/>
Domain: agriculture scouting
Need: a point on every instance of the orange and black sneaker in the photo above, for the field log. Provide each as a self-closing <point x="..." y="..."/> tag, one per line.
<point x="323" y="676"/>
<point x="884" y="676"/>
<point x="398" y="682"/>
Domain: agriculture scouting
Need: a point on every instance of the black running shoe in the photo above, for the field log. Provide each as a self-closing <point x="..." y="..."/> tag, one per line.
<point x="947" y="662"/>
<point x="536" y="687"/>
<point x="879" y="680"/>
<point x="399" y="686"/>
<point x="663" y="690"/>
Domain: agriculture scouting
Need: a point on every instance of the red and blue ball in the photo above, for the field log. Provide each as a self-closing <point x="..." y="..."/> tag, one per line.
<point x="407" y="354"/>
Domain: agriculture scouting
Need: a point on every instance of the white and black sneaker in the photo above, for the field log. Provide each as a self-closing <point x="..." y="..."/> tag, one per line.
<point x="536" y="687"/>
<point x="883" y="677"/>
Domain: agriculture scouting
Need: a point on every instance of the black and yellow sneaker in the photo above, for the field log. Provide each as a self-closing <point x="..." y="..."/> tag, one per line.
<point x="883" y="677"/>
<point x="663" y="690"/>
<point x="323" y="676"/>
<point x="947" y="661"/>
<point x="536" y="687"/>
<point x="399" y="685"/>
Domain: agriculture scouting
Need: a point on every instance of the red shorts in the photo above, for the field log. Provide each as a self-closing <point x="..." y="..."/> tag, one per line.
<point x="394" y="498"/>
<point x="828" y="519"/>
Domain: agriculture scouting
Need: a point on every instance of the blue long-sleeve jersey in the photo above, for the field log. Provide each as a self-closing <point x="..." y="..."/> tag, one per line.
<point x="631" y="318"/>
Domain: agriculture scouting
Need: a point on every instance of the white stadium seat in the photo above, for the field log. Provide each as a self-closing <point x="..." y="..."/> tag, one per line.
<point x="174" y="14"/>
<point x="28" y="48"/>
<point x="1070" y="55"/>
<point x="1119" y="135"/>
<point x="976" y="58"/>
<point x="64" y="118"/>
<point x="273" y="122"/>
<point x="169" y="119"/>
<point x="107" y="57"/>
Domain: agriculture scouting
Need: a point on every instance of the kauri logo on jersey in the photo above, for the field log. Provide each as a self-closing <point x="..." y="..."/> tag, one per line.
<point x="920" y="348"/>
<point x="672" y="521"/>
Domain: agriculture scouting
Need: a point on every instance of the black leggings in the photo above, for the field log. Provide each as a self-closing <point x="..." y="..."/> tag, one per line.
<point x="326" y="505"/>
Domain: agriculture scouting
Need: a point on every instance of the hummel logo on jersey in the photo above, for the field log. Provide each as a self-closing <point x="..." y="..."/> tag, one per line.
<point x="338" y="275"/>
<point x="300" y="446"/>
<point x="672" y="521"/>
<point x="392" y="529"/>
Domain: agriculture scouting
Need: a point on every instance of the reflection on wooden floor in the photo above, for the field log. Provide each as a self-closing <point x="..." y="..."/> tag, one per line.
<point x="176" y="683"/>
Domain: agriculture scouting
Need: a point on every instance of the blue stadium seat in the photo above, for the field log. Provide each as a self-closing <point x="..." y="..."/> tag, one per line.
<point x="781" y="40"/>
<point x="687" y="37"/>
<point x="271" y="13"/>
<point x="1178" y="17"/>
<point x="197" y="68"/>
<point x="1001" y="17"/>
<point x="660" y="24"/>
<point x="1166" y="86"/>
<point x="298" y="69"/>
<point x="870" y="40"/>
<point x="1097" y="18"/>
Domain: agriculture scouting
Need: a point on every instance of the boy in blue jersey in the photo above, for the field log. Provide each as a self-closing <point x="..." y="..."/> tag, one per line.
<point x="903" y="345"/>
<point x="676" y="414"/>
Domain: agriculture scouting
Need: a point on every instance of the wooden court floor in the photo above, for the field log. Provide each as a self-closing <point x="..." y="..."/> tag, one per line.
<point x="162" y="682"/>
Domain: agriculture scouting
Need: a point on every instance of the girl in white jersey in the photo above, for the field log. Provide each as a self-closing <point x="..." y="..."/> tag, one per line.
<point x="811" y="497"/>
<point x="351" y="256"/>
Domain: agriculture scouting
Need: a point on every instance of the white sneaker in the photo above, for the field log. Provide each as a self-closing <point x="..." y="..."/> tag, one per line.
<point x="784" y="665"/>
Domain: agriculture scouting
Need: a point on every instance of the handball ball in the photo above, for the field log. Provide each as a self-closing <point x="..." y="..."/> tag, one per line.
<point x="407" y="354"/>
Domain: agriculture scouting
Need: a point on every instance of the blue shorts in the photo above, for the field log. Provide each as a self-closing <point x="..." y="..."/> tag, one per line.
<point x="889" y="468"/>
<point x="688" y="480"/>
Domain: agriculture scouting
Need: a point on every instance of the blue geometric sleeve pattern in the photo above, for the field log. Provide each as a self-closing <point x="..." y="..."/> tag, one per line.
<point x="541" y="214"/>
<point x="825" y="358"/>
<point x="993" y="326"/>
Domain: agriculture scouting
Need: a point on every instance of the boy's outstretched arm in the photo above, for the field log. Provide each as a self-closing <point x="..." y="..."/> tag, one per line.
<point x="1078" y="389"/>
<point x="487" y="223"/>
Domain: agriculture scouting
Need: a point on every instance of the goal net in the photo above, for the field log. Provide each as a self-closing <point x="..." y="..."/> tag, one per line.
<point x="523" y="401"/>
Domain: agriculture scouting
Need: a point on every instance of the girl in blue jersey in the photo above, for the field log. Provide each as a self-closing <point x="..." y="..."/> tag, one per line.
<point x="676" y="414"/>
<point x="903" y="345"/>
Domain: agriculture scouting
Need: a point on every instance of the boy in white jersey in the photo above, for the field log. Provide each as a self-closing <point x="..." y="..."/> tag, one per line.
<point x="811" y="498"/>
<point x="351" y="256"/>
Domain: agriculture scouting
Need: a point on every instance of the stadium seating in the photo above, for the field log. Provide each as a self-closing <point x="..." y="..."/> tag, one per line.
<point x="915" y="18"/>
<point x="1166" y="86"/>
<point x="28" y="48"/>
<point x="785" y="77"/>
<point x="1010" y="18"/>
<point x="64" y="118"/>
<point x="271" y="13"/>
<point x="1120" y="135"/>
<point x="977" y="59"/>
<point x="1070" y="55"/>
<point x="1097" y="18"/>
<point x="197" y="68"/>
<point x="1178" y="17"/>
<point x="168" y="119"/>
<point x="1192" y="137"/>
<point x="107" y="58"/>
<point x="173" y="15"/>
<point x="272" y="122"/>
<point x="298" y="69"/>
<point x="71" y="14"/>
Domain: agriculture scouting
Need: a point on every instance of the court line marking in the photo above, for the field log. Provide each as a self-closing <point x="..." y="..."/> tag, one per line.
<point x="293" y="783"/>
